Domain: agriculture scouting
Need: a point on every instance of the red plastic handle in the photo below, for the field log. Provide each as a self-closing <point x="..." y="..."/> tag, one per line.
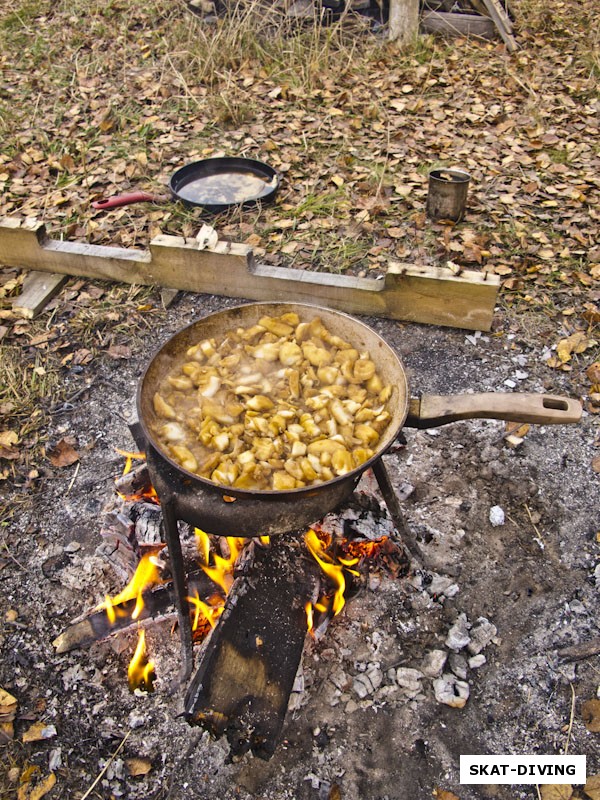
<point x="126" y="199"/>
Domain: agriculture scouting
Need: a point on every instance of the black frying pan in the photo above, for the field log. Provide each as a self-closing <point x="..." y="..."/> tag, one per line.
<point x="215" y="184"/>
<point x="268" y="512"/>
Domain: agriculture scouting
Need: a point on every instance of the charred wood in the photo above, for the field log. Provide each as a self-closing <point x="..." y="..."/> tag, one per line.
<point x="248" y="665"/>
<point x="158" y="607"/>
<point x="135" y="482"/>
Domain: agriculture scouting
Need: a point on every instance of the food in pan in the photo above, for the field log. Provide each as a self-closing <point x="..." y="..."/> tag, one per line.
<point x="276" y="406"/>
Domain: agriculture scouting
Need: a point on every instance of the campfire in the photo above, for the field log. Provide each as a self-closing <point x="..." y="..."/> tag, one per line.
<point x="299" y="584"/>
<point x="262" y="500"/>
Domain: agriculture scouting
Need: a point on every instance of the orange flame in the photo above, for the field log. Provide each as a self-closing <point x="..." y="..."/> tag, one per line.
<point x="221" y="572"/>
<point x="147" y="574"/>
<point x="140" y="673"/>
<point x="149" y="494"/>
<point x="308" y="607"/>
<point x="203" y="545"/>
<point x="335" y="572"/>
<point x="209" y="612"/>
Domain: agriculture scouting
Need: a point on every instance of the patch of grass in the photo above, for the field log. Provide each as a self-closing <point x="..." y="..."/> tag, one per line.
<point x="25" y="385"/>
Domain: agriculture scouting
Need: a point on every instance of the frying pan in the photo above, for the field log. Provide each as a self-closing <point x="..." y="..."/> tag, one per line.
<point x="209" y="506"/>
<point x="215" y="184"/>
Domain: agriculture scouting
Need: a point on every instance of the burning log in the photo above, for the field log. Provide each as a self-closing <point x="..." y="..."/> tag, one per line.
<point x="248" y="665"/>
<point x="136" y="482"/>
<point x="158" y="604"/>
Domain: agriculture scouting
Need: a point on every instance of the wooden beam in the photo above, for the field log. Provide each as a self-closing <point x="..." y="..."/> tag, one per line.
<point x="503" y="23"/>
<point x="412" y="293"/>
<point x="248" y="665"/>
<point x="158" y="605"/>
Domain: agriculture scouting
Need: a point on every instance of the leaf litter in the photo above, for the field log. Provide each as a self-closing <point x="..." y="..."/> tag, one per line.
<point x="353" y="155"/>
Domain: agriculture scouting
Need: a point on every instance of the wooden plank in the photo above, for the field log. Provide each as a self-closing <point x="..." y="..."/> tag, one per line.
<point x="503" y="24"/>
<point x="429" y="295"/>
<point x="38" y="289"/>
<point x="248" y="665"/>
<point x="458" y="24"/>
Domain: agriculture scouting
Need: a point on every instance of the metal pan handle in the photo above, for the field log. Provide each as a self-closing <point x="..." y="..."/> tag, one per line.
<point x="431" y="410"/>
<point x="126" y="199"/>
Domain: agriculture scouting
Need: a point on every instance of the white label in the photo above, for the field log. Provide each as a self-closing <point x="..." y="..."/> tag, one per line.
<point x="522" y="769"/>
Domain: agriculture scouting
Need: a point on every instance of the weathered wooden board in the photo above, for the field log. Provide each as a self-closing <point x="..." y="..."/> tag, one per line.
<point x="247" y="667"/>
<point x="458" y="24"/>
<point x="430" y="295"/>
<point x="503" y="23"/>
<point x="38" y="289"/>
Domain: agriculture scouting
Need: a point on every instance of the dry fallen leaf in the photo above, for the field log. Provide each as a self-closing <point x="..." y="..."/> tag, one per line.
<point x="443" y="794"/>
<point x="8" y="438"/>
<point x="63" y="454"/>
<point x="28" y="792"/>
<point x="593" y="372"/>
<point x="138" y="766"/>
<point x="7" y="732"/>
<point x="577" y="342"/>
<point x="592" y="787"/>
<point x="590" y="713"/>
<point x="7" y="701"/>
<point x="119" y="351"/>
<point x="38" y="732"/>
<point x="556" y="791"/>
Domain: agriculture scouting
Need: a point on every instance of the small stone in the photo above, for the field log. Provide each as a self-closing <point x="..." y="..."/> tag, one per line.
<point x="361" y="686"/>
<point x="55" y="759"/>
<point x="433" y="663"/>
<point x="72" y="547"/>
<point x="350" y="707"/>
<point x="450" y="691"/>
<point x="135" y="720"/>
<point x="481" y="635"/>
<point x="367" y="682"/>
<point x="442" y="584"/>
<point x="496" y="516"/>
<point x="458" y="635"/>
<point x="409" y="678"/>
<point x="577" y="607"/>
<point x="477" y="661"/>
<point x="14" y="774"/>
<point x="458" y="665"/>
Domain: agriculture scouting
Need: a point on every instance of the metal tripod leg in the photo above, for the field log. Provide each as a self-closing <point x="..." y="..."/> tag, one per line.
<point x="179" y="587"/>
<point x="393" y="505"/>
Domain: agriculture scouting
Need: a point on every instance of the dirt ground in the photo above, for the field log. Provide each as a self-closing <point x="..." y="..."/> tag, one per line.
<point x="532" y="578"/>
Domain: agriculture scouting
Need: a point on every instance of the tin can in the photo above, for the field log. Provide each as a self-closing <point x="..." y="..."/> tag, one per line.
<point x="447" y="195"/>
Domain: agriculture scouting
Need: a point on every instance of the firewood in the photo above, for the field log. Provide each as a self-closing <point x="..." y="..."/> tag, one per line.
<point x="158" y="606"/>
<point x="248" y="665"/>
<point x="135" y="482"/>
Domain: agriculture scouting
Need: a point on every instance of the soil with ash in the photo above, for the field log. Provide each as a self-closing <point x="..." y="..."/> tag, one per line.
<point x="491" y="609"/>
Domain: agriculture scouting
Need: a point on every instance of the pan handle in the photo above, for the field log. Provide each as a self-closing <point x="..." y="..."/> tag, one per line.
<point x="431" y="410"/>
<point x="126" y="199"/>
